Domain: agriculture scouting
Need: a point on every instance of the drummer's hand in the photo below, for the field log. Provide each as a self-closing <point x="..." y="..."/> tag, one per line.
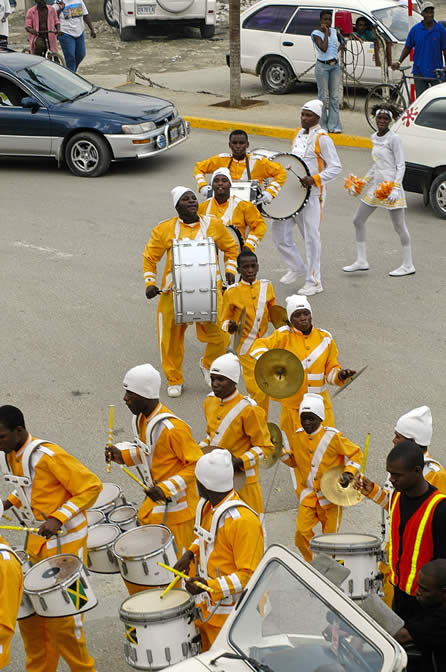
<point x="155" y="493"/>
<point x="7" y="504"/>
<point x="307" y="181"/>
<point x="232" y="327"/>
<point x="192" y="587"/>
<point x="113" y="454"/>
<point x="230" y="278"/>
<point x="237" y="463"/>
<point x="346" y="373"/>
<point x="182" y="565"/>
<point x="152" y="291"/>
<point x="363" y="484"/>
<point x="267" y="197"/>
<point x="345" y="479"/>
<point x="49" y="527"/>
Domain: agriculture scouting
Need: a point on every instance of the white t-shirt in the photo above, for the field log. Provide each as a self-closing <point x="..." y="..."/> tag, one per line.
<point x="5" y="8"/>
<point x="72" y="18"/>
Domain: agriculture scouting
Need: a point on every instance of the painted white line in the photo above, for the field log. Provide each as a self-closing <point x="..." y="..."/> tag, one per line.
<point x="46" y="250"/>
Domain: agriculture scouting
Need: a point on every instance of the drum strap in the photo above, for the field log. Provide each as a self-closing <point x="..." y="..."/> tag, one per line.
<point x="261" y="303"/>
<point x="248" y="168"/>
<point x="228" y="215"/>
<point x="5" y="547"/>
<point x="232" y="414"/>
<point x="148" y="448"/>
<point x="204" y="220"/>
<point x="23" y="483"/>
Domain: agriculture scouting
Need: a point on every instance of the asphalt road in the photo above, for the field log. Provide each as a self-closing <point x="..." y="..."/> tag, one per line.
<point x="74" y="318"/>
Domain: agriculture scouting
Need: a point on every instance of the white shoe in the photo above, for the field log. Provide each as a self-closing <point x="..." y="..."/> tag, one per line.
<point x="356" y="266"/>
<point x="310" y="290"/>
<point x="403" y="270"/>
<point x="290" y="277"/>
<point x="174" y="390"/>
<point x="206" y="373"/>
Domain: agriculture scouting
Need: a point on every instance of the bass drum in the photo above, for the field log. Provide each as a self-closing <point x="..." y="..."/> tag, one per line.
<point x="293" y="196"/>
<point x="237" y="235"/>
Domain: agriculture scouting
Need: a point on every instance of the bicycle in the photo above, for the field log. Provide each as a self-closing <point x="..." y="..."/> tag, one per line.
<point x="397" y="95"/>
<point x="44" y="50"/>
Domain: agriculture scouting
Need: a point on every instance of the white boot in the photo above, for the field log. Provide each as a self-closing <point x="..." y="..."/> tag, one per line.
<point x="407" y="267"/>
<point x="361" y="263"/>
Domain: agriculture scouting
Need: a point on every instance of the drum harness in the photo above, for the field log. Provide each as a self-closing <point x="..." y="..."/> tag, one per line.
<point x="8" y="549"/>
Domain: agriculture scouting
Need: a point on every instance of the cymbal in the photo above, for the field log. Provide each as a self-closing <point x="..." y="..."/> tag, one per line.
<point x="349" y="381"/>
<point x="278" y="316"/>
<point x="279" y="373"/>
<point x="277" y="441"/>
<point x="237" y="336"/>
<point x="335" y="493"/>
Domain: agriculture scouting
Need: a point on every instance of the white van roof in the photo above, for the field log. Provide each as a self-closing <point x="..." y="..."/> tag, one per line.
<point x="348" y="5"/>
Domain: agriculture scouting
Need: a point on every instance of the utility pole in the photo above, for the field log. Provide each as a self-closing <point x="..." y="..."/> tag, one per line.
<point x="235" y="94"/>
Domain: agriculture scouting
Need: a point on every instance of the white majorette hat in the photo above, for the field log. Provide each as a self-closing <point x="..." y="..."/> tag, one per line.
<point x="144" y="380"/>
<point x="416" y="425"/>
<point x="296" y="302"/>
<point x="215" y="471"/>
<point x="227" y="365"/>
<point x="178" y="192"/>
<point x="222" y="171"/>
<point x="312" y="403"/>
<point x="314" y="106"/>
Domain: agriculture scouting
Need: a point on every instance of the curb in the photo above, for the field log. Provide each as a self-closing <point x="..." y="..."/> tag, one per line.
<point x="340" y="139"/>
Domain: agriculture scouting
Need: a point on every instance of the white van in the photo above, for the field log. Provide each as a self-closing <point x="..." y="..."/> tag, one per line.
<point x="276" y="39"/>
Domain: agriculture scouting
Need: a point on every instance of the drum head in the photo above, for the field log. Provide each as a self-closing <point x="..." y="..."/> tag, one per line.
<point x="148" y="606"/>
<point x="109" y="493"/>
<point x="293" y="196"/>
<point x="51" y="572"/>
<point x="102" y="535"/>
<point x="94" y="517"/>
<point x="122" y="514"/>
<point x="142" y="541"/>
<point x="349" y="542"/>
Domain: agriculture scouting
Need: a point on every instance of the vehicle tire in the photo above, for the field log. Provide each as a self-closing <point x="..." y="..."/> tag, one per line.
<point x="276" y="76"/>
<point x="87" y="155"/>
<point x="383" y="94"/>
<point x="207" y="31"/>
<point x="108" y="13"/>
<point x="128" y="33"/>
<point x="437" y="195"/>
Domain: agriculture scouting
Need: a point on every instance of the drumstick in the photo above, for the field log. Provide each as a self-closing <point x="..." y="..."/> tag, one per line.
<point x="110" y="433"/>
<point x="294" y="173"/>
<point x="170" y="586"/>
<point x="135" y="478"/>
<point x="182" y="575"/>
<point x="364" y="459"/>
<point x="23" y="529"/>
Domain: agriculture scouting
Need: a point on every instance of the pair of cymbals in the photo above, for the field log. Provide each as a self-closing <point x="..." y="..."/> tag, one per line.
<point x="335" y="493"/>
<point x="279" y="373"/>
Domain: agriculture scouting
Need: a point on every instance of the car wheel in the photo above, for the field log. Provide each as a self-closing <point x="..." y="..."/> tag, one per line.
<point x="276" y="76"/>
<point x="108" y="13"/>
<point x="206" y="31"/>
<point x="87" y="155"/>
<point x="383" y="94"/>
<point x="437" y="195"/>
<point x="128" y="34"/>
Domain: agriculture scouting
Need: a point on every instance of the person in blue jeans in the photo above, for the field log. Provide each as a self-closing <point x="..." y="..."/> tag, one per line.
<point x="328" y="72"/>
<point x="72" y="41"/>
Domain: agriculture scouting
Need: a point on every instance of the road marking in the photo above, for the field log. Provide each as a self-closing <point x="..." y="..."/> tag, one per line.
<point x="40" y="248"/>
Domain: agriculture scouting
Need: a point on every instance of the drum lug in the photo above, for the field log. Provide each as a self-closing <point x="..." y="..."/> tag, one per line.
<point x="185" y="649"/>
<point x="130" y="653"/>
<point x="111" y="557"/>
<point x="82" y="580"/>
<point x="124" y="567"/>
<point x="165" y="557"/>
<point x="66" y="597"/>
<point x="43" y="603"/>
<point x="350" y="586"/>
<point x="149" y="656"/>
<point x="145" y="568"/>
<point x="167" y="654"/>
<point x="88" y="561"/>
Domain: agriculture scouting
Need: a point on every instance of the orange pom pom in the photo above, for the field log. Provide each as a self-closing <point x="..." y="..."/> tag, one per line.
<point x="383" y="190"/>
<point x="353" y="181"/>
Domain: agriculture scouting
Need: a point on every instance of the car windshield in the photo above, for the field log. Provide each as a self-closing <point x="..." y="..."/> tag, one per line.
<point x="288" y="627"/>
<point x="396" y="20"/>
<point x="54" y="83"/>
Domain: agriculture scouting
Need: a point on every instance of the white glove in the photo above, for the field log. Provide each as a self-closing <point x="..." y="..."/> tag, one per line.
<point x="266" y="197"/>
<point x="204" y="190"/>
<point x="353" y="191"/>
<point x="391" y="198"/>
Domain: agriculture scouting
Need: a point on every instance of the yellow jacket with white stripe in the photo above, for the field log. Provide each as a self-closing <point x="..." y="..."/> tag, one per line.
<point x="160" y="242"/>
<point x="242" y="214"/>
<point x="239" y="425"/>
<point x="319" y="356"/>
<point x="311" y="455"/>
<point x="260" y="169"/>
<point x="11" y="587"/>
<point x="172" y="467"/>
<point x="257" y="299"/>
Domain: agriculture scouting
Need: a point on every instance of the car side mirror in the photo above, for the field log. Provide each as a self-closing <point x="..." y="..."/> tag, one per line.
<point x="31" y="103"/>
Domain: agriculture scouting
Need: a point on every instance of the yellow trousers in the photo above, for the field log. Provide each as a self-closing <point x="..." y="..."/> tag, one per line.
<point x="308" y="517"/>
<point x="254" y="391"/>
<point x="171" y="340"/>
<point x="252" y="495"/>
<point x="208" y="634"/>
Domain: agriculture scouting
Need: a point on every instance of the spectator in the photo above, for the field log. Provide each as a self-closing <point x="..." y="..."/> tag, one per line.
<point x="328" y="72"/>
<point x="363" y="30"/>
<point x="72" y="40"/>
<point x="5" y="11"/>
<point x="428" y="39"/>
<point x="42" y="24"/>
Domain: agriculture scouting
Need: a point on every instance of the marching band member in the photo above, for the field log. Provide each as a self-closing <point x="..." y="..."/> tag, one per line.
<point x="164" y="446"/>
<point x="242" y="166"/>
<point x="11" y="582"/>
<point x="188" y="224"/>
<point x="232" y="210"/>
<point x="313" y="450"/>
<point x="236" y="423"/>
<point x="317" y="351"/>
<point x="228" y="543"/>
<point x="312" y="144"/>
<point x="61" y="489"/>
<point x="257" y="297"/>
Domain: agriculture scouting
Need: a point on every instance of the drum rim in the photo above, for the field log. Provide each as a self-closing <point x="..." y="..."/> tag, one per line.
<point x="51" y="589"/>
<point x="104" y="547"/>
<point x="155" y="616"/>
<point x="351" y="548"/>
<point x="131" y="558"/>
<point x="307" y="196"/>
<point x="110" y="501"/>
<point x="103" y="516"/>
<point x="126" y="520"/>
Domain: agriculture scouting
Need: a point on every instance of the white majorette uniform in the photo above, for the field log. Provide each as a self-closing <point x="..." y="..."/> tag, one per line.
<point x="317" y="149"/>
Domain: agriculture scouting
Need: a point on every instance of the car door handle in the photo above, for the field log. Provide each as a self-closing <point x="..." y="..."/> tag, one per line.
<point x="288" y="44"/>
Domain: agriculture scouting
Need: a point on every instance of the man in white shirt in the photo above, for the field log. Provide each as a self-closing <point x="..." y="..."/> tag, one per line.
<point x="72" y="15"/>
<point x="5" y="11"/>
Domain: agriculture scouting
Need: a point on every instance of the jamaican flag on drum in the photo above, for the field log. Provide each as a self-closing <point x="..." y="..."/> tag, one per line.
<point x="77" y="594"/>
<point x="130" y="634"/>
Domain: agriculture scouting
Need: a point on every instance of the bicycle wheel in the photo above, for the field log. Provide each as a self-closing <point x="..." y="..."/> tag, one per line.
<point x="383" y="94"/>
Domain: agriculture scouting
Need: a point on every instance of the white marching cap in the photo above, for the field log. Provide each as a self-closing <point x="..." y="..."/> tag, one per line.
<point x="222" y="171"/>
<point x="314" y="106"/>
<point x="296" y="302"/>
<point x="178" y="192"/>
<point x="215" y="471"/>
<point x="227" y="365"/>
<point x="416" y="425"/>
<point x="144" y="380"/>
<point x="312" y="403"/>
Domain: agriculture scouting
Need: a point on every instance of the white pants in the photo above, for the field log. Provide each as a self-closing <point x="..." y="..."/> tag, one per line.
<point x="308" y="221"/>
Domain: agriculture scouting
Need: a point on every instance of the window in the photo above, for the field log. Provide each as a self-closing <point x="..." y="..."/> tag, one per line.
<point x="54" y="83"/>
<point x="433" y="115"/>
<point x="396" y="20"/>
<point x="304" y="22"/>
<point x="271" y="18"/>
<point x="10" y="93"/>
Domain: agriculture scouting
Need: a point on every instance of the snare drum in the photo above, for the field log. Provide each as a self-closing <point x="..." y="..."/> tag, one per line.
<point x="125" y="517"/>
<point x="58" y="586"/>
<point x="293" y="196"/>
<point x="159" y="632"/>
<point x="357" y="552"/>
<point x="100" y="542"/>
<point x="194" y="280"/>
<point x="246" y="191"/>
<point x="138" y="552"/>
<point x="95" y="517"/>
<point x="109" y="498"/>
<point x="26" y="608"/>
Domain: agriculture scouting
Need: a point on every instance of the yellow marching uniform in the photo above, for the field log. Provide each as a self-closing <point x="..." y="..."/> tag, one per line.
<point x="171" y="334"/>
<point x="239" y="425"/>
<point x="242" y="214"/>
<point x="11" y="584"/>
<point x="62" y="488"/>
<point x="311" y="455"/>
<point x="257" y="299"/>
<point x="229" y="546"/>
<point x="253" y="167"/>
